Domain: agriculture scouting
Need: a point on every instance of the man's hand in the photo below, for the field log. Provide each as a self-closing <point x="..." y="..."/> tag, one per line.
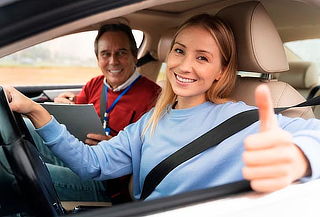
<point x="94" y="139"/>
<point x="67" y="98"/>
<point x="271" y="159"/>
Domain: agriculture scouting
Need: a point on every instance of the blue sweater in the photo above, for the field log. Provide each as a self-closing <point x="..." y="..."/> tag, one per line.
<point x="130" y="152"/>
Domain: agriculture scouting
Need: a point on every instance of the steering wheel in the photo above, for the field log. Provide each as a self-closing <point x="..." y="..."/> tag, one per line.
<point x="34" y="183"/>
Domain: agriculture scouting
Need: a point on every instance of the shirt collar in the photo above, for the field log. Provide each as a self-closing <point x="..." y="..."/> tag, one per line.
<point x="125" y="84"/>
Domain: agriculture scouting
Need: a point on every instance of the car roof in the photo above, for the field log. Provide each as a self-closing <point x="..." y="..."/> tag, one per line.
<point x="44" y="20"/>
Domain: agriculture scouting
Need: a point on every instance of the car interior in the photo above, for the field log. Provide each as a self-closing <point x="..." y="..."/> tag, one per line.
<point x="152" y="36"/>
<point x="259" y="39"/>
<point x="303" y="76"/>
<point x="255" y="56"/>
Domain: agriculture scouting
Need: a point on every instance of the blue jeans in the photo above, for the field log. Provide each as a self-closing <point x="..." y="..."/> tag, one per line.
<point x="68" y="185"/>
<point x="71" y="188"/>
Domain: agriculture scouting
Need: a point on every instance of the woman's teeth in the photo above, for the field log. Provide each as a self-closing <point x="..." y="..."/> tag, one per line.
<point x="185" y="80"/>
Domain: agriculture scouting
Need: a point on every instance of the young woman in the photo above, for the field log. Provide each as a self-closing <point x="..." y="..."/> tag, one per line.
<point x="201" y="72"/>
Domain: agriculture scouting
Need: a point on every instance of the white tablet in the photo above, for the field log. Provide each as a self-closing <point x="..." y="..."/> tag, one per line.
<point x="80" y="119"/>
<point x="51" y="94"/>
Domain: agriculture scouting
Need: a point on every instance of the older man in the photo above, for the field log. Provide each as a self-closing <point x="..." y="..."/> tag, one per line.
<point x="125" y="94"/>
<point x="120" y="96"/>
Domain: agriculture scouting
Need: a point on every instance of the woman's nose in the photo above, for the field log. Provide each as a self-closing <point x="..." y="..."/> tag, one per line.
<point x="186" y="64"/>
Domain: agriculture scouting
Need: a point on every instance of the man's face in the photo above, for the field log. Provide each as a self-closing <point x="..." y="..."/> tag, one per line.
<point x="115" y="58"/>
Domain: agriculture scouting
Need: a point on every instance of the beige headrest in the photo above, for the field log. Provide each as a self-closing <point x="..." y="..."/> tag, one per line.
<point x="164" y="44"/>
<point x="302" y="75"/>
<point x="258" y="43"/>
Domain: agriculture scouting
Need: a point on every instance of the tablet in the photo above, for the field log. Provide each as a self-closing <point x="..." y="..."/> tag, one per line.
<point x="80" y="119"/>
<point x="51" y="94"/>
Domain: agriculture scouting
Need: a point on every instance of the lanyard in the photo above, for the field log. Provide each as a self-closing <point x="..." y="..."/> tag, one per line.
<point x="106" y="127"/>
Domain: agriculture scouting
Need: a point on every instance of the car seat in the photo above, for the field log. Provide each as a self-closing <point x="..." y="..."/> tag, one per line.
<point x="302" y="75"/>
<point x="260" y="50"/>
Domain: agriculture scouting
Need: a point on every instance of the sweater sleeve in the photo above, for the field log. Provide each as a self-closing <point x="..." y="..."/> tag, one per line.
<point x="109" y="159"/>
<point x="308" y="140"/>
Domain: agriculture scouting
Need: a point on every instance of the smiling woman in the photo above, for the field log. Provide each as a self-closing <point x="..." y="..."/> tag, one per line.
<point x="186" y="56"/>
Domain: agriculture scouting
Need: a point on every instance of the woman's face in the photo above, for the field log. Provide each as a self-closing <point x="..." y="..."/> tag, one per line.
<point x="193" y="64"/>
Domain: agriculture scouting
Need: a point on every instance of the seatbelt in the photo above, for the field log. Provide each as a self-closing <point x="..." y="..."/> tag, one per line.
<point x="313" y="92"/>
<point x="145" y="59"/>
<point x="103" y="103"/>
<point x="210" y="139"/>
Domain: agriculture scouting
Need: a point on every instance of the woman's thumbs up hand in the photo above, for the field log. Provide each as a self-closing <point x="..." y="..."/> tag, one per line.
<point x="272" y="161"/>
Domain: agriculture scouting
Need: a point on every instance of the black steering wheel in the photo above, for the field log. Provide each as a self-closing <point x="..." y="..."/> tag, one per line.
<point x="35" y="187"/>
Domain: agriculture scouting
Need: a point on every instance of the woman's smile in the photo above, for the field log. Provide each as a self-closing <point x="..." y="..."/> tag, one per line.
<point x="184" y="79"/>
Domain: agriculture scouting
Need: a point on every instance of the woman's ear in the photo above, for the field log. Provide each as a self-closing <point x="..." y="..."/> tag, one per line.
<point x="220" y="73"/>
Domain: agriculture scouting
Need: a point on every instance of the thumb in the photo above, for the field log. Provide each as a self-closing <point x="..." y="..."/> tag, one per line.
<point x="266" y="113"/>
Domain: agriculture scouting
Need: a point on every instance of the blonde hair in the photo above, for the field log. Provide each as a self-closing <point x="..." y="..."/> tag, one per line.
<point x="221" y="88"/>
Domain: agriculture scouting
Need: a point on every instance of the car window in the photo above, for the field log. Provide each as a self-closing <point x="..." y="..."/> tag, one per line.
<point x="65" y="60"/>
<point x="138" y="36"/>
<point x="306" y="50"/>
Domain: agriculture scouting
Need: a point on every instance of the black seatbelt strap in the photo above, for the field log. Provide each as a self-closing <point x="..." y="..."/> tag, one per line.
<point x="145" y="59"/>
<point x="103" y="105"/>
<point x="210" y="139"/>
<point x="313" y="92"/>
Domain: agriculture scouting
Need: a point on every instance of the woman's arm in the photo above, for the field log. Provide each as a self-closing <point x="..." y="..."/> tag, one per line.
<point x="108" y="159"/>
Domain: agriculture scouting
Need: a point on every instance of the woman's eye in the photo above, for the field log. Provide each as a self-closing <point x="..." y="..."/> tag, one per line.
<point x="178" y="50"/>
<point x="202" y="58"/>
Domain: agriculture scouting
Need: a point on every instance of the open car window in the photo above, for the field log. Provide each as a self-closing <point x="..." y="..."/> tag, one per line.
<point x="65" y="60"/>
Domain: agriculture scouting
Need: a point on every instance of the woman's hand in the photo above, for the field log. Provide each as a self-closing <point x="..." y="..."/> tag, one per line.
<point x="272" y="161"/>
<point x="19" y="102"/>
<point x="94" y="139"/>
<point x="24" y="105"/>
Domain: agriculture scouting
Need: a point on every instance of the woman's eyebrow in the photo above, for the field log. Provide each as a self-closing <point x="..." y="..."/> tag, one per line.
<point x="199" y="50"/>
<point x="204" y="51"/>
<point x="179" y="44"/>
